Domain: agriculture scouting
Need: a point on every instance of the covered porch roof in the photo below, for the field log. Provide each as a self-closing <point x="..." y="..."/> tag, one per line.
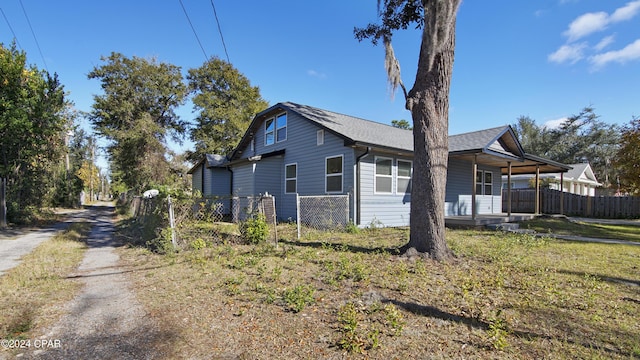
<point x="499" y="147"/>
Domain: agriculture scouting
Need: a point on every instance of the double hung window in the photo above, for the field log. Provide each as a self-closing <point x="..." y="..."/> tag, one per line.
<point x="333" y="174"/>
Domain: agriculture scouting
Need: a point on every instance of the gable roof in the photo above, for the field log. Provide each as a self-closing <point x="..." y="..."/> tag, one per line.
<point x="582" y="170"/>
<point x="492" y="146"/>
<point x="209" y="160"/>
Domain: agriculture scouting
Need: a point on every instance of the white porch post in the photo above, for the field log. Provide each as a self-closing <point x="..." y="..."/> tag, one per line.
<point x="561" y="193"/>
<point x="537" y="207"/>
<point x="473" y="190"/>
<point x="509" y="189"/>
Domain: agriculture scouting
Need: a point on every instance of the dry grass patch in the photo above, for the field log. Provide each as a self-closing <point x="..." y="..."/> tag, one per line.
<point x="32" y="294"/>
<point x="340" y="295"/>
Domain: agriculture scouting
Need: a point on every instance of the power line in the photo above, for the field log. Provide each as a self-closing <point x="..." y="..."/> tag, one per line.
<point x="10" y="28"/>
<point x="34" y="36"/>
<point x="220" y="31"/>
<point x="194" y="30"/>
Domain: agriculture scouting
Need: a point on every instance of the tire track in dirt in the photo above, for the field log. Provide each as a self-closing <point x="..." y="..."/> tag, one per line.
<point x="105" y="321"/>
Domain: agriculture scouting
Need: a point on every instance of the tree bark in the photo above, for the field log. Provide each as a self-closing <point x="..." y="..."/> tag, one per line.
<point x="428" y="102"/>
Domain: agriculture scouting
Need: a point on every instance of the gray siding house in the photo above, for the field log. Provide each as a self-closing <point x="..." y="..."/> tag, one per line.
<point x="292" y="149"/>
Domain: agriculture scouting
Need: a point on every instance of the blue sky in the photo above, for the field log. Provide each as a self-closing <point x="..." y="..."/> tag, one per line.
<point x="546" y="59"/>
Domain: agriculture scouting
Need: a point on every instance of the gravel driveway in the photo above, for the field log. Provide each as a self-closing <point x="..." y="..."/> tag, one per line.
<point x="14" y="244"/>
<point x="105" y="321"/>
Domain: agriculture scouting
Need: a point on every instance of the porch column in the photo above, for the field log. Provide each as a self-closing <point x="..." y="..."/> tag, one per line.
<point x="473" y="190"/>
<point x="561" y="193"/>
<point x="537" y="207"/>
<point x="509" y="189"/>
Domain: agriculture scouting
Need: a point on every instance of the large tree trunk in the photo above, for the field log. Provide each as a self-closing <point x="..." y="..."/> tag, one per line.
<point x="428" y="102"/>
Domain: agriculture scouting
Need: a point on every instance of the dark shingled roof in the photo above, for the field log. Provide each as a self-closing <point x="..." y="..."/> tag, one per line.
<point x="475" y="140"/>
<point x="492" y="145"/>
<point x="357" y="130"/>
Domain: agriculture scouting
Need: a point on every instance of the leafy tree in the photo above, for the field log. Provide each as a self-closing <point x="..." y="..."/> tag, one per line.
<point x="581" y="138"/>
<point x="628" y="157"/>
<point x="31" y="129"/>
<point x="226" y="103"/>
<point x="428" y="102"/>
<point x="401" y="124"/>
<point x="136" y="114"/>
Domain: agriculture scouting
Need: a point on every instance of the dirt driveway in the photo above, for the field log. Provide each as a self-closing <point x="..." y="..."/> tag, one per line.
<point x="105" y="321"/>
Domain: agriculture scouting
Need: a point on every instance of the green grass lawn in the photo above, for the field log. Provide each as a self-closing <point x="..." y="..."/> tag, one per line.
<point x="339" y="295"/>
<point x="564" y="226"/>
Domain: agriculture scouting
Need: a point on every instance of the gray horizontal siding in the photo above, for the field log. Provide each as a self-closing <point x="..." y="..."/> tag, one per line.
<point x="243" y="180"/>
<point x="458" y="199"/>
<point x="301" y="148"/>
<point x="381" y="209"/>
<point x="219" y="182"/>
<point x="196" y="180"/>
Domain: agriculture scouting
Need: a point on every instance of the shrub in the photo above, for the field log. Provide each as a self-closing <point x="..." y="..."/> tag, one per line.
<point x="299" y="297"/>
<point x="255" y="229"/>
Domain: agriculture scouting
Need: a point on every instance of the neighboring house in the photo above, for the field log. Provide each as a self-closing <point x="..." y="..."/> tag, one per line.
<point x="579" y="180"/>
<point x="292" y="149"/>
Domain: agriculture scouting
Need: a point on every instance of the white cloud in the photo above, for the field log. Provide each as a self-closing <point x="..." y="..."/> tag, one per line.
<point x="626" y="12"/>
<point x="316" y="74"/>
<point x="554" y="124"/>
<point x="606" y="41"/>
<point x="570" y="53"/>
<point x="590" y="23"/>
<point x="628" y="53"/>
<point x="586" y="24"/>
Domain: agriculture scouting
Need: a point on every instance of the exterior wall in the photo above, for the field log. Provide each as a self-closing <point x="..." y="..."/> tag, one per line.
<point x="302" y="149"/>
<point x="218" y="183"/>
<point x="458" y="199"/>
<point x="196" y="179"/>
<point x="243" y="179"/>
<point x="268" y="179"/>
<point x="382" y="209"/>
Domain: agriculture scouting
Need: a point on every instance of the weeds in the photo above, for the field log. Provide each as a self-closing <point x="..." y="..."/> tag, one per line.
<point x="361" y="326"/>
<point x="299" y="297"/>
<point x="31" y="294"/>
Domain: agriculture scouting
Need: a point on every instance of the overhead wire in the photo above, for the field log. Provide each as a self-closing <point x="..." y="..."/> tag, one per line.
<point x="194" y="31"/>
<point x="215" y="14"/>
<point x="34" y="36"/>
<point x="10" y="28"/>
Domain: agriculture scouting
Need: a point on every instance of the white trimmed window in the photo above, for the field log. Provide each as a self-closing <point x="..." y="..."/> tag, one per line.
<point x="333" y="174"/>
<point x="403" y="181"/>
<point x="291" y="178"/>
<point x="275" y="129"/>
<point x="269" y="132"/>
<point x="319" y="137"/>
<point x="384" y="175"/>
<point x="484" y="182"/>
<point x="281" y="127"/>
<point x="488" y="183"/>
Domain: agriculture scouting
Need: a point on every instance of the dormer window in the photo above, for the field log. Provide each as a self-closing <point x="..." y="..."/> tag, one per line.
<point x="275" y="129"/>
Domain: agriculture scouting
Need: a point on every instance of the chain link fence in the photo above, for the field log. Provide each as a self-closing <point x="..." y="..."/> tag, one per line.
<point x="213" y="220"/>
<point x="322" y="213"/>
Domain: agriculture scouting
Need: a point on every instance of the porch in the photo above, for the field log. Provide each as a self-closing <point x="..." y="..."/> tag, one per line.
<point x="483" y="220"/>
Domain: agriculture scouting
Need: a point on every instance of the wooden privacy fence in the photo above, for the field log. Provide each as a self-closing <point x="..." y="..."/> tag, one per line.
<point x="605" y="207"/>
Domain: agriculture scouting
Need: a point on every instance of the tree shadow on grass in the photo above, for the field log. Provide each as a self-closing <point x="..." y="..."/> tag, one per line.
<point x="343" y="247"/>
<point x="611" y="279"/>
<point x="590" y="343"/>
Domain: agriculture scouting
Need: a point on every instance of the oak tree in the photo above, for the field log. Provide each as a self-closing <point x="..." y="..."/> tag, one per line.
<point x="226" y="103"/>
<point x="136" y="114"/>
<point x="428" y="102"/>
<point x="628" y="157"/>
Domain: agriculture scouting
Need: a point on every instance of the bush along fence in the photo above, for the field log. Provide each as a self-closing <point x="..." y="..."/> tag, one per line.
<point x="557" y="202"/>
<point x="170" y="223"/>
